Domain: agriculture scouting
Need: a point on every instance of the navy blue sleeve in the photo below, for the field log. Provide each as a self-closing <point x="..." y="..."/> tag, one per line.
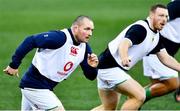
<point x="159" y="46"/>
<point x="174" y="9"/>
<point x="89" y="72"/>
<point x="47" y="40"/>
<point x="136" y="34"/>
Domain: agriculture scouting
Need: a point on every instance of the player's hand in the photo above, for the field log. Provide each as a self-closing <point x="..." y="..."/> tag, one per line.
<point x="126" y="62"/>
<point x="93" y="60"/>
<point x="10" y="71"/>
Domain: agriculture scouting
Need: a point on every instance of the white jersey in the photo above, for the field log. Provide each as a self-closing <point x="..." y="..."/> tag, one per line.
<point x="135" y="52"/>
<point x="56" y="65"/>
<point x="171" y="30"/>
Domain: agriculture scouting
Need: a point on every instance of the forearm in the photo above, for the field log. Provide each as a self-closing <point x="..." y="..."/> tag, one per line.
<point x="123" y="48"/>
<point x="123" y="52"/>
<point x="172" y="63"/>
<point x="89" y="72"/>
<point x="169" y="61"/>
<point x="21" y="51"/>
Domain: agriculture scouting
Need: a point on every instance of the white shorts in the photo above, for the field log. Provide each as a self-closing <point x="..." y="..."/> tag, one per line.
<point x="156" y="70"/>
<point x="39" y="99"/>
<point x="111" y="77"/>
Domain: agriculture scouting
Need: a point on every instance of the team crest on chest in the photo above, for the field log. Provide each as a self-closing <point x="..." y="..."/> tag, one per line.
<point x="74" y="51"/>
<point x="152" y="39"/>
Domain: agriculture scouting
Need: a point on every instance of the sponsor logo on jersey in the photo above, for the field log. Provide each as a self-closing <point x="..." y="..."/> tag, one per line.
<point x="74" y="51"/>
<point x="67" y="67"/>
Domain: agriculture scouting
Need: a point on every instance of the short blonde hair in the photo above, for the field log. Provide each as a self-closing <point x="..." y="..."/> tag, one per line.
<point x="80" y="18"/>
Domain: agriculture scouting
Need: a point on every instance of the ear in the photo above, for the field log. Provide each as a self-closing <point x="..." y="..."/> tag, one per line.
<point x="151" y="14"/>
<point x="75" y="28"/>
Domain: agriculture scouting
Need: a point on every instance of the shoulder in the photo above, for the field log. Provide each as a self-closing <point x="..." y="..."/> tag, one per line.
<point x="57" y="37"/>
<point x="57" y="33"/>
<point x="136" y="33"/>
<point x="53" y="34"/>
<point x="137" y="28"/>
<point x="51" y="39"/>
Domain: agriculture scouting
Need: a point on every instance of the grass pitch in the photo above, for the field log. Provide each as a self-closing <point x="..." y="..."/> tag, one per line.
<point x="20" y="18"/>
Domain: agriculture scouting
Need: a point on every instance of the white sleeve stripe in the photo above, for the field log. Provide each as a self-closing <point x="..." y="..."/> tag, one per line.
<point x="129" y="41"/>
<point x="163" y="49"/>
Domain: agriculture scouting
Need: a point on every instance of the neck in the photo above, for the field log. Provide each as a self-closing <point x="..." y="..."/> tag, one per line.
<point x="74" y="35"/>
<point x="151" y="24"/>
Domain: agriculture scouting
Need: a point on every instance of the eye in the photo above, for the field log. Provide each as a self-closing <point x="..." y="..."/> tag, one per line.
<point x="88" y="28"/>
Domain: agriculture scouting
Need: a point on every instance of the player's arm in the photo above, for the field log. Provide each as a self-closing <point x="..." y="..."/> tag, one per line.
<point x="89" y="64"/>
<point x="123" y="51"/>
<point x="92" y="60"/>
<point x="48" y="40"/>
<point x="135" y="35"/>
<point x="164" y="57"/>
<point x="168" y="60"/>
<point x="19" y="54"/>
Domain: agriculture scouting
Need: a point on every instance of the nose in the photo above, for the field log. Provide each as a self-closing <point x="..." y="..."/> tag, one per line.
<point x="90" y="32"/>
<point x="165" y="19"/>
